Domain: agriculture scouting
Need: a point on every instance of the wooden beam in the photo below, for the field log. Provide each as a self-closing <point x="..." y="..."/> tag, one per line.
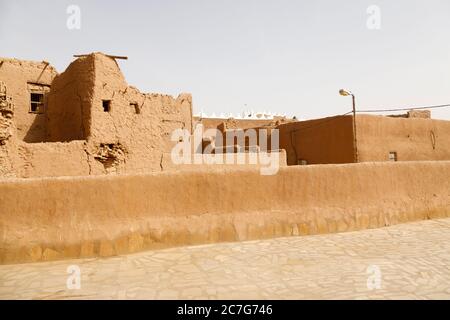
<point x="118" y="57"/>
<point x="110" y="56"/>
<point x="39" y="84"/>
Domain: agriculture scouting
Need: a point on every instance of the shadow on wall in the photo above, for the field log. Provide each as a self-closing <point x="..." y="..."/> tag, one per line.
<point x="61" y="116"/>
<point x="37" y="131"/>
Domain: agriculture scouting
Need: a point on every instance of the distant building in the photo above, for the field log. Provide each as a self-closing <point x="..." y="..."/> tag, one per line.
<point x="410" y="137"/>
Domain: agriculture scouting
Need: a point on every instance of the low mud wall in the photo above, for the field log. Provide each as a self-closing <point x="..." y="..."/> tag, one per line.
<point x="55" y="218"/>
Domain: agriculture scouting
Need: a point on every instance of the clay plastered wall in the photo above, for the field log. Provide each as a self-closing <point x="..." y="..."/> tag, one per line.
<point x="242" y="160"/>
<point x="143" y="136"/>
<point x="6" y="130"/>
<point x="412" y="138"/>
<point x="45" y="219"/>
<point x="213" y="123"/>
<point x="321" y="141"/>
<point x="17" y="75"/>
<point x="131" y="137"/>
<point x="52" y="160"/>
<point x="7" y="162"/>
<point x="237" y="127"/>
<point x="69" y="102"/>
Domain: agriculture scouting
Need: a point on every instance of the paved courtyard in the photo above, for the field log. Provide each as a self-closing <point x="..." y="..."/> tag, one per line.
<point x="409" y="261"/>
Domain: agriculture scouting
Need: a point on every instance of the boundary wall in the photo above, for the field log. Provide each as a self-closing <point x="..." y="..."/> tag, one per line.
<point x="71" y="217"/>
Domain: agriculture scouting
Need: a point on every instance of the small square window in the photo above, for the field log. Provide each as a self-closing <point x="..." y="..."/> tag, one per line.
<point x="136" y="107"/>
<point x="106" y="105"/>
<point x="392" y="156"/>
<point x="37" y="102"/>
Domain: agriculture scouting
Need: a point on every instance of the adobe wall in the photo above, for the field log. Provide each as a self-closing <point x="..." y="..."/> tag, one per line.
<point x="230" y="160"/>
<point x="70" y="101"/>
<point x="52" y="160"/>
<point x="240" y="127"/>
<point x="139" y="126"/>
<point x="7" y="130"/>
<point x="320" y="141"/>
<point x="216" y="123"/>
<point x="21" y="78"/>
<point x="54" y="218"/>
<point x="412" y="138"/>
<point x="131" y="138"/>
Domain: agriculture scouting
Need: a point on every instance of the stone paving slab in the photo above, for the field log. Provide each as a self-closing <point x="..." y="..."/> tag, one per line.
<point x="408" y="261"/>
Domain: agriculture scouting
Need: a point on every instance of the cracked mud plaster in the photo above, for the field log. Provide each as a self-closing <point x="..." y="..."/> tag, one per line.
<point x="75" y="136"/>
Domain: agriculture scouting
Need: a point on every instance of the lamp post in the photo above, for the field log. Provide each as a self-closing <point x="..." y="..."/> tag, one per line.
<point x="346" y="93"/>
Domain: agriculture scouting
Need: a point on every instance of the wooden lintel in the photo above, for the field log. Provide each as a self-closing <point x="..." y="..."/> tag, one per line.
<point x="39" y="84"/>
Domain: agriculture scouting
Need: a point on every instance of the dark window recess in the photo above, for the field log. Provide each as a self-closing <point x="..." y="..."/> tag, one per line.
<point x="106" y="105"/>
<point x="136" y="107"/>
<point x="37" y="103"/>
<point x="393" y="156"/>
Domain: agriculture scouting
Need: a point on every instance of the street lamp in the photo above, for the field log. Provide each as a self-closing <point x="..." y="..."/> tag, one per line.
<point x="346" y="93"/>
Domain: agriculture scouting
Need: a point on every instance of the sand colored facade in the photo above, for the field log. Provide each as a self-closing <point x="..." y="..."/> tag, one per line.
<point x="320" y="141"/>
<point x="411" y="139"/>
<point x="54" y="218"/>
<point x="242" y="135"/>
<point x="101" y="180"/>
<point x="20" y="79"/>
<point x="222" y="124"/>
<point x="89" y="121"/>
<point x="86" y="120"/>
<point x="378" y="138"/>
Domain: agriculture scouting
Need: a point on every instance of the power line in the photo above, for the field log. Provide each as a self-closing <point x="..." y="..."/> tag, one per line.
<point x="332" y="118"/>
<point x="320" y="122"/>
<point x="405" y="109"/>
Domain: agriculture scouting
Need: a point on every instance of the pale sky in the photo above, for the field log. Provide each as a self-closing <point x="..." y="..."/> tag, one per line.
<point x="281" y="56"/>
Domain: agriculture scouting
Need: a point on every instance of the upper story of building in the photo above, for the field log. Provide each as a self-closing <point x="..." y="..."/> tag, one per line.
<point x="88" y="111"/>
<point x="89" y="100"/>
